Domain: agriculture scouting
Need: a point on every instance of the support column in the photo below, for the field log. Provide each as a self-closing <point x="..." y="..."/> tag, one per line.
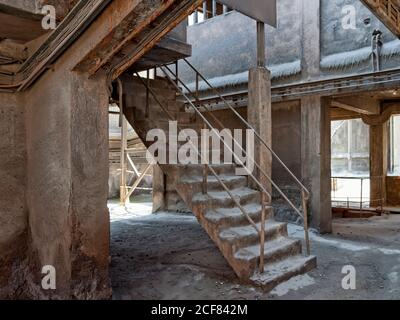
<point x="260" y="117"/>
<point x="316" y="159"/>
<point x="159" y="188"/>
<point x="67" y="167"/>
<point x="259" y="111"/>
<point x="123" y="165"/>
<point x="378" y="138"/>
<point x="311" y="34"/>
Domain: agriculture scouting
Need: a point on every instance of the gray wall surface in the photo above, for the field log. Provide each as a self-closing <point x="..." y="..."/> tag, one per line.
<point x="226" y="44"/>
<point x="13" y="209"/>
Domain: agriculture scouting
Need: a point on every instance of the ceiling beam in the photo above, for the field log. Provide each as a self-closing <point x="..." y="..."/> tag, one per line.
<point x="388" y="109"/>
<point x="359" y="104"/>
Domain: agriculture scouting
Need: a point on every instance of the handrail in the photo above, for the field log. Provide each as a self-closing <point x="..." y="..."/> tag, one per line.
<point x="230" y="150"/>
<point x="264" y="191"/>
<point x="250" y="127"/>
<point x="165" y="110"/>
<point x="305" y="194"/>
<point x="256" y="164"/>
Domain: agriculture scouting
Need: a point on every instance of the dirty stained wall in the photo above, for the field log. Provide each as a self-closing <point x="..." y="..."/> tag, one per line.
<point x="66" y="177"/>
<point x="67" y="141"/>
<point x="13" y="209"/>
<point x="226" y="44"/>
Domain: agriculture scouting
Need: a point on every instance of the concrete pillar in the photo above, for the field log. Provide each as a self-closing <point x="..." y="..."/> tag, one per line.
<point x="67" y="167"/>
<point x="378" y="138"/>
<point x="260" y="117"/>
<point x="159" y="181"/>
<point x="316" y="159"/>
<point x="311" y="35"/>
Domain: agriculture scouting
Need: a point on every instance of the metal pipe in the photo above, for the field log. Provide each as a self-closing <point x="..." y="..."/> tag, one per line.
<point x="124" y="128"/>
<point x="147" y="110"/>
<point x="262" y="233"/>
<point x="305" y="213"/>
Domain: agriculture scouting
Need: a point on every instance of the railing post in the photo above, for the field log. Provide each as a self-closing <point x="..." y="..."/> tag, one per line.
<point x="361" y="195"/>
<point x="196" y="17"/>
<point x="262" y="232"/>
<point x="205" y="171"/>
<point x="177" y="72"/>
<point x="305" y="217"/>
<point x="123" y="161"/>
<point x="197" y="86"/>
<point x="214" y="8"/>
<point x="147" y="94"/>
<point x="205" y="14"/>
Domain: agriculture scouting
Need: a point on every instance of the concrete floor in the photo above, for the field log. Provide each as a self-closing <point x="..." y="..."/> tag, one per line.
<point x="167" y="256"/>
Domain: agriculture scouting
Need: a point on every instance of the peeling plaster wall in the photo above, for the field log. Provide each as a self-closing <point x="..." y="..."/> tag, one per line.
<point x="226" y="44"/>
<point x="336" y="39"/>
<point x="339" y="44"/>
<point x="224" y="47"/>
<point x="13" y="210"/>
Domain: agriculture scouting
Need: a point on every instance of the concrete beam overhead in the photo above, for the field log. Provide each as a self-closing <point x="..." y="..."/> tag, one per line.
<point x="359" y="104"/>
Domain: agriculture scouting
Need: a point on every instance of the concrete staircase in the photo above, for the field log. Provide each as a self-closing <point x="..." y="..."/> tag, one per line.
<point x="216" y="211"/>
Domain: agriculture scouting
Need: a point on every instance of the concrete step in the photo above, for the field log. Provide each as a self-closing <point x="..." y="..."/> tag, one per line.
<point x="217" y="212"/>
<point x="274" y="251"/>
<point x="232" y="182"/>
<point x="225" y="218"/>
<point x="245" y="236"/>
<point x="221" y="199"/>
<point x="278" y="272"/>
<point x="197" y="170"/>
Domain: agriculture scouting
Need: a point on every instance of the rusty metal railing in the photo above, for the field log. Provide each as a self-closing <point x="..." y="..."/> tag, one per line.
<point x="305" y="194"/>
